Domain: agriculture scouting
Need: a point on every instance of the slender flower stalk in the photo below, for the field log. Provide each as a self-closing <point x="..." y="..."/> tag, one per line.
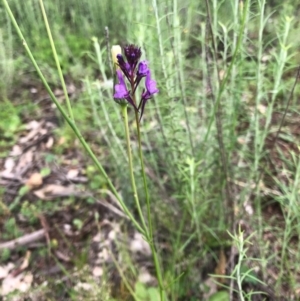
<point x="130" y="162"/>
<point x="139" y="138"/>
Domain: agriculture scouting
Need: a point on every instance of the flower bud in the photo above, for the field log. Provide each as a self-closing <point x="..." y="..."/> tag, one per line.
<point x="115" y="50"/>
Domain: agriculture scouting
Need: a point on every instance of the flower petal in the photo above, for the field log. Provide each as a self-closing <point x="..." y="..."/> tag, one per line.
<point x="150" y="84"/>
<point x="120" y="89"/>
<point x="142" y="69"/>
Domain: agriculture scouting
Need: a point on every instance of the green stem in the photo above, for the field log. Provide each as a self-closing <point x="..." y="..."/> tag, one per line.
<point x="148" y="231"/>
<point x="61" y="77"/>
<point x="130" y="164"/>
<point x="144" y="176"/>
<point x="158" y="271"/>
<point x="70" y="122"/>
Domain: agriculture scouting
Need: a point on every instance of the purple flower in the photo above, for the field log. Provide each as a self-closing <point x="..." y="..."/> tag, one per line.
<point x="150" y="86"/>
<point x="132" y="54"/>
<point x="131" y="70"/>
<point x="124" y="66"/>
<point x="121" y="91"/>
<point x="151" y="89"/>
<point x="142" y="69"/>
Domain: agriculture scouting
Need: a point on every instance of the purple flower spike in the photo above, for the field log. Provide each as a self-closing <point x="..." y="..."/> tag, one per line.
<point x="121" y="91"/>
<point x="133" y="54"/>
<point x="151" y="89"/>
<point x="131" y="70"/>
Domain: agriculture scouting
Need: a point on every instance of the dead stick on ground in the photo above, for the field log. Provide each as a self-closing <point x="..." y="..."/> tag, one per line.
<point x="24" y="240"/>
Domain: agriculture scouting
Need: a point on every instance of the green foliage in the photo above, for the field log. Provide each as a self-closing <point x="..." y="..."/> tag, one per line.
<point x="220" y="296"/>
<point x="11" y="229"/>
<point x="146" y="294"/>
<point x="29" y="212"/>
<point x="10" y="121"/>
<point x="96" y="181"/>
<point x="5" y="255"/>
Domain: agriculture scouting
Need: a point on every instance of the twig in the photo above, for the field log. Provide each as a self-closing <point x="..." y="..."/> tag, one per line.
<point x="46" y="228"/>
<point x="112" y="208"/>
<point x="24" y="240"/>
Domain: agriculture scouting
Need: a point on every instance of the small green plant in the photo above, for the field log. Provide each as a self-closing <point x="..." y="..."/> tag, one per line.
<point x="29" y="212"/>
<point x="10" y="121"/>
<point x="5" y="255"/>
<point x="146" y="293"/>
<point x="11" y="229"/>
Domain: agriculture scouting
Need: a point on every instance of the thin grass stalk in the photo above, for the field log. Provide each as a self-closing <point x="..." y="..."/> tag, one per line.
<point x="192" y="170"/>
<point x="158" y="272"/>
<point x="236" y="79"/>
<point x="61" y="77"/>
<point x="225" y="79"/>
<point x="254" y="126"/>
<point x="167" y="83"/>
<point x="260" y="135"/>
<point x="98" y="120"/>
<point x="123" y="277"/>
<point x="239" y="265"/>
<point x="204" y="104"/>
<point x="260" y="82"/>
<point x="236" y="22"/>
<point x="217" y="113"/>
<point x="254" y="121"/>
<point x="176" y="45"/>
<point x="290" y="209"/>
<point x="281" y="61"/>
<point x="179" y="247"/>
<point x="161" y="49"/>
<point x="109" y="123"/>
<point x="257" y="136"/>
<point x="99" y="58"/>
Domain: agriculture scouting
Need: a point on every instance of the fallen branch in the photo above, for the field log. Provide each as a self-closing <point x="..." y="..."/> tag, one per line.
<point x="24" y="240"/>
